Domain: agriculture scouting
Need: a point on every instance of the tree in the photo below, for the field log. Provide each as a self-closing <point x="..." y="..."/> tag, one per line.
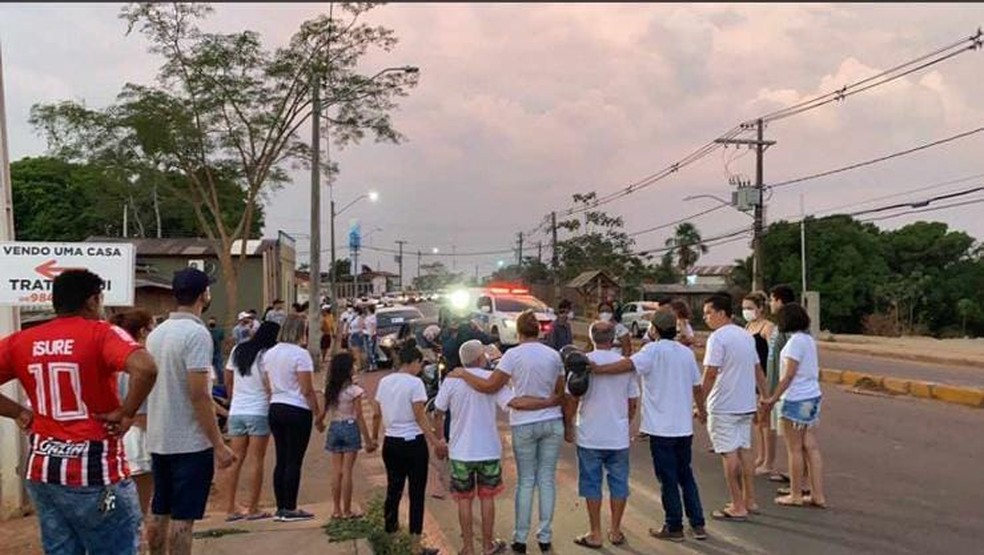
<point x="599" y="244"/>
<point x="224" y="108"/>
<point x="56" y="200"/>
<point x="687" y="246"/>
<point x="532" y="271"/>
<point x="967" y="310"/>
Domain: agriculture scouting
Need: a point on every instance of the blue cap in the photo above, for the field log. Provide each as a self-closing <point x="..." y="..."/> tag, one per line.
<point x="191" y="282"/>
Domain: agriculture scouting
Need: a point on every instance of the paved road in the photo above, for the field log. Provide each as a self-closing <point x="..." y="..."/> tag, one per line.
<point x="954" y="375"/>
<point x="903" y="477"/>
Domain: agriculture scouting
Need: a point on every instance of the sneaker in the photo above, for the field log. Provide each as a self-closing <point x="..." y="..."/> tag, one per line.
<point x="519" y="548"/>
<point x="699" y="533"/>
<point x="294" y="516"/>
<point x="545" y="547"/>
<point x="664" y="533"/>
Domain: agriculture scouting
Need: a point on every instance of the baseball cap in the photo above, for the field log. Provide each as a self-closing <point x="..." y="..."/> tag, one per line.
<point x="190" y="281"/>
<point x="244" y="316"/>
<point x="664" y="320"/>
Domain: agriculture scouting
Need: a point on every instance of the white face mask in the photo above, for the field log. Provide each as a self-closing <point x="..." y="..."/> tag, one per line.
<point x="570" y="315"/>
<point x="749" y="315"/>
<point x="605" y="316"/>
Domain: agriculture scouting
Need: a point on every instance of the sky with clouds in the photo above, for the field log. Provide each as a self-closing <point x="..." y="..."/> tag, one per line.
<point x="521" y="106"/>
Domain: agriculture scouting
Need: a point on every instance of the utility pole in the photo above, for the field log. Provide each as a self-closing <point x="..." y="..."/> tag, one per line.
<point x="418" y="265"/>
<point x="760" y="144"/>
<point x="520" y="249"/>
<point x="400" y="260"/>
<point x="539" y="251"/>
<point x="314" y="300"/>
<point x="553" y="257"/>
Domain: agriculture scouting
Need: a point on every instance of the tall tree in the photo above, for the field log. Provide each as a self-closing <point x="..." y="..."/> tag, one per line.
<point x="599" y="244"/>
<point x="687" y="247"/>
<point x="224" y="108"/>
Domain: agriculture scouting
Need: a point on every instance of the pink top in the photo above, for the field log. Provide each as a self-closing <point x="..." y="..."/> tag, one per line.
<point x="345" y="409"/>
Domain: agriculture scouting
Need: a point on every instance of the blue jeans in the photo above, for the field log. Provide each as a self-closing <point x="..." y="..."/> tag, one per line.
<point x="671" y="461"/>
<point x="592" y="464"/>
<point x="536" y="447"/>
<point x="73" y="521"/>
<point x="370" y="343"/>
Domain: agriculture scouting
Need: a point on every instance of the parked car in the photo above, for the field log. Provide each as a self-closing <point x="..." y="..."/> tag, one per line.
<point x="392" y="323"/>
<point x="637" y="315"/>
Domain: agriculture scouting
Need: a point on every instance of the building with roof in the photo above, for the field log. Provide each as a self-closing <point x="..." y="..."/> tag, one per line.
<point x="265" y="274"/>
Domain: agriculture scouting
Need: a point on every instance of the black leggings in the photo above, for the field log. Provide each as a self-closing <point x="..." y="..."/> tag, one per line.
<point x="291" y="428"/>
<point x="405" y="459"/>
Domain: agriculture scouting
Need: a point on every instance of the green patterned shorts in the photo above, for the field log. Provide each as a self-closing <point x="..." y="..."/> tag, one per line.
<point x="467" y="477"/>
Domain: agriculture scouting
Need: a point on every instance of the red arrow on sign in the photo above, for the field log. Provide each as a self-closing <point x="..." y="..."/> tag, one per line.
<point x="49" y="270"/>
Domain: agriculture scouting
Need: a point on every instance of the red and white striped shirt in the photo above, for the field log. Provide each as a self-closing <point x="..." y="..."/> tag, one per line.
<point x="68" y="368"/>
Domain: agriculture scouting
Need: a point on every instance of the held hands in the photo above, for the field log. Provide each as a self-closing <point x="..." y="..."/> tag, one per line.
<point x="700" y="415"/>
<point x="441" y="450"/>
<point x="569" y="435"/>
<point x="224" y="457"/>
<point x="320" y="425"/>
<point x="371" y="446"/>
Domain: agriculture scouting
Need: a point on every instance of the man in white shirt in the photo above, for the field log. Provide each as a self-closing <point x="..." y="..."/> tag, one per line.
<point x="475" y="448"/>
<point x="603" y="438"/>
<point x="731" y="374"/>
<point x="670" y="382"/>
<point x="369" y="330"/>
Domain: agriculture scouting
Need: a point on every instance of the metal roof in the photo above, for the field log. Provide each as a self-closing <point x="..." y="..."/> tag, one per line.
<point x="678" y="289"/>
<point x="186" y="247"/>
<point x="587" y="277"/>
<point x="720" y="270"/>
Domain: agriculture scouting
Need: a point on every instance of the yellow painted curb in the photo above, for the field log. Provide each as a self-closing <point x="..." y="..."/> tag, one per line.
<point x="896" y="385"/>
<point x="923" y="390"/>
<point x="959" y="395"/>
<point x="831" y="376"/>
<point x="850" y="377"/>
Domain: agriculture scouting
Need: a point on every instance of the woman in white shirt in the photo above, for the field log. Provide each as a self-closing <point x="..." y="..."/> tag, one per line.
<point x="356" y="339"/>
<point x="293" y="409"/>
<point x="799" y="390"/>
<point x="248" y="425"/>
<point x="400" y="400"/>
<point x="623" y="337"/>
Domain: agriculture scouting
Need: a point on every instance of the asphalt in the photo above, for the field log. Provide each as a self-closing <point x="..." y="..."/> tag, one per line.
<point x="896" y="368"/>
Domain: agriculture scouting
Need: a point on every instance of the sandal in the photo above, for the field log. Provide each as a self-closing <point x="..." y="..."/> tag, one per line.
<point x="616" y="540"/>
<point x="779" y="478"/>
<point x="582" y="540"/>
<point x="235" y="517"/>
<point x="725" y="514"/>
<point x="788" y="501"/>
<point x="352" y="516"/>
<point x="786" y="491"/>
<point x="262" y="515"/>
<point x="498" y="546"/>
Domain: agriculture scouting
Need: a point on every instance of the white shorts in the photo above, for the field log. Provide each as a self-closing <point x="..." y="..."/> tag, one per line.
<point x="730" y="432"/>
<point x="135" y="446"/>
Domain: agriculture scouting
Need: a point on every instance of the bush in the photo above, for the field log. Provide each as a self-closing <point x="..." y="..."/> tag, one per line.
<point x="881" y="325"/>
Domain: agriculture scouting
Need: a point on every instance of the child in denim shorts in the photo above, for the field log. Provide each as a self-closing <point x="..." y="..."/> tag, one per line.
<point x="346" y="429"/>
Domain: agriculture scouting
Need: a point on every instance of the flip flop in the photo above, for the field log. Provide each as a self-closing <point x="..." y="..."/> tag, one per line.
<point x="787" y="501"/>
<point x="498" y="546"/>
<point x="779" y="478"/>
<point x="616" y="540"/>
<point x="723" y="514"/>
<point x="786" y="491"/>
<point x="808" y="500"/>
<point x="235" y="518"/>
<point x="353" y="516"/>
<point x="582" y="540"/>
<point x="262" y="515"/>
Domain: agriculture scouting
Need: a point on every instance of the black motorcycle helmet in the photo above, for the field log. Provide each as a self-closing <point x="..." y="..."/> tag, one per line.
<point x="578" y="370"/>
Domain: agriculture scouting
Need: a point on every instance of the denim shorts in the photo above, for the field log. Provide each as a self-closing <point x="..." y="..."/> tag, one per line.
<point x="182" y="483"/>
<point x="73" y="519"/>
<point x="803" y="414"/>
<point x="248" y="425"/>
<point x="343" y="437"/>
<point x="592" y="464"/>
<point x="355" y="340"/>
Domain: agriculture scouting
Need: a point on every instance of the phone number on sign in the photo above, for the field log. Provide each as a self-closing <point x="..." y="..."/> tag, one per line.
<point x="39" y="297"/>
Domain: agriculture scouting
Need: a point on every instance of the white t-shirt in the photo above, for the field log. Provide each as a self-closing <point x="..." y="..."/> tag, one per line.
<point x="474" y="434"/>
<point x="369" y="325"/>
<point x="669" y="372"/>
<point x="806" y="385"/>
<point x="355" y="325"/>
<point x="603" y="413"/>
<point x="620" y="332"/>
<point x="282" y="363"/>
<point x="535" y="369"/>
<point x="345" y="318"/>
<point x="249" y="397"/>
<point x="732" y="350"/>
<point x="396" y="395"/>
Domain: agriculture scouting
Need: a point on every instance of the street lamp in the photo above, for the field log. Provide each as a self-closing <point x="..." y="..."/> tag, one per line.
<point x="435" y="250"/>
<point x="314" y="330"/>
<point x="720" y="200"/>
<point x="373" y="196"/>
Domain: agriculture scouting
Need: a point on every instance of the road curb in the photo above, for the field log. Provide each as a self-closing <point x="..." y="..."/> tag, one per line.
<point x="953" y="394"/>
<point x="864" y="350"/>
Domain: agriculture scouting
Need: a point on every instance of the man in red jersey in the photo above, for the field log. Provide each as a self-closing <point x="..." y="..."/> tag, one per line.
<point x="77" y="472"/>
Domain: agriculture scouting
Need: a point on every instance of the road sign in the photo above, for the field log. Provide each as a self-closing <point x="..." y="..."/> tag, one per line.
<point x="27" y="270"/>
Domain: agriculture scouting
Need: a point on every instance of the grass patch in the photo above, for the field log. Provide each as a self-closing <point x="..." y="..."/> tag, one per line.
<point x="218" y="533"/>
<point x="371" y="527"/>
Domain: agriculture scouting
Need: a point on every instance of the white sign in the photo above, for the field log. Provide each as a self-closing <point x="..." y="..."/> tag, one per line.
<point x="27" y="270"/>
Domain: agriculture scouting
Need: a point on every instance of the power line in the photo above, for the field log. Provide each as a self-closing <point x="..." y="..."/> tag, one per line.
<point x="876" y="160"/>
<point x="932" y="209"/>
<point x="902" y="193"/>
<point x="881" y="78"/>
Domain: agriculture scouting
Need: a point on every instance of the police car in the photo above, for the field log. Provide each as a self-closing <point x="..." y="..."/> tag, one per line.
<point x="496" y="308"/>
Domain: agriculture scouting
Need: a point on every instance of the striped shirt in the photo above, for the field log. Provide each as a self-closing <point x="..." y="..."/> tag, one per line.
<point x="68" y="368"/>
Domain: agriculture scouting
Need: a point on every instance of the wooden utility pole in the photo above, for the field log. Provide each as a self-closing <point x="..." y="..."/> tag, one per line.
<point x="400" y="259"/>
<point x="760" y="144"/>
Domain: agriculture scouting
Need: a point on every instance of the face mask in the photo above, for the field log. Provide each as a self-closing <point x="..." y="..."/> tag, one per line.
<point x="748" y="315"/>
<point x="605" y="316"/>
<point x="570" y="315"/>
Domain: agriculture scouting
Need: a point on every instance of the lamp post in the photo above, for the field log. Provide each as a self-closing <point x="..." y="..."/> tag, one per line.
<point x="373" y="196"/>
<point x="314" y="312"/>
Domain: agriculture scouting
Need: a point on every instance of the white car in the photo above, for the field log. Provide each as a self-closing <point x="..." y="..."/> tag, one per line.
<point x="497" y="308"/>
<point x="637" y="315"/>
